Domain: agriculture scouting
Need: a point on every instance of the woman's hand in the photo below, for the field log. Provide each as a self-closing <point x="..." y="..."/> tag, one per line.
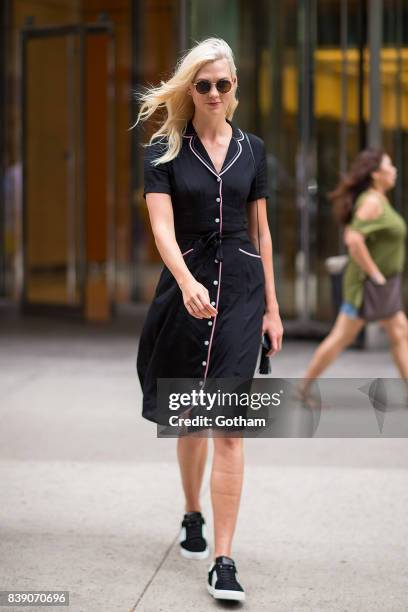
<point x="197" y="299"/>
<point x="272" y="325"/>
<point x="378" y="278"/>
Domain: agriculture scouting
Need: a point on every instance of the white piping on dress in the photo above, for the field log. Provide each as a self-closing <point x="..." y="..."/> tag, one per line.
<point x="248" y="253"/>
<point x="199" y="156"/>
<point x="242" y="134"/>
<point x="234" y="159"/>
<point x="189" y="250"/>
<point x="214" y="322"/>
<point x="218" y="292"/>
<point x="231" y="163"/>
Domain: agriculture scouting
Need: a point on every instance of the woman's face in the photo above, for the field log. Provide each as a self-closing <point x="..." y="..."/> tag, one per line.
<point x="213" y="103"/>
<point x="386" y="175"/>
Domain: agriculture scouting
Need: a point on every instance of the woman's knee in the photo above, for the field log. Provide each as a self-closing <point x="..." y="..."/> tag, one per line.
<point x="226" y="446"/>
<point x="397" y="330"/>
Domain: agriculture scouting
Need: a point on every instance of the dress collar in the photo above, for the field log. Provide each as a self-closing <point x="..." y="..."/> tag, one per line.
<point x="196" y="146"/>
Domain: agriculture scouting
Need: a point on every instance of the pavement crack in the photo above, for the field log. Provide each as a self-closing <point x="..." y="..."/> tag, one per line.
<point x="156" y="571"/>
<point x="165" y="556"/>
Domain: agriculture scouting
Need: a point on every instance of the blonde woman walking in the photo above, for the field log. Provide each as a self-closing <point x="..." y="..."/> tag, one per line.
<point x="375" y="235"/>
<point x="216" y="294"/>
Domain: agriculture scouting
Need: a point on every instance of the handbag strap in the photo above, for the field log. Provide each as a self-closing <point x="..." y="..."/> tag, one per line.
<point x="264" y="363"/>
<point x="256" y="189"/>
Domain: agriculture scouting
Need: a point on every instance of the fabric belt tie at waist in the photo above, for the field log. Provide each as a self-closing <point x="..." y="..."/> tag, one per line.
<point x="214" y="239"/>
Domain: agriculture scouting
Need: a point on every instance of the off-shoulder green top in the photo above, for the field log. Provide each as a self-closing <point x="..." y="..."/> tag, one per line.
<point x="385" y="240"/>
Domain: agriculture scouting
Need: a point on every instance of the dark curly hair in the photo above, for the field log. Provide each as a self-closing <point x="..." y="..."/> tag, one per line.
<point x="354" y="182"/>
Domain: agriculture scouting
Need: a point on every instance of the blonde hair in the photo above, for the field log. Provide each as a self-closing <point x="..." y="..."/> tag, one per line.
<point x="172" y="95"/>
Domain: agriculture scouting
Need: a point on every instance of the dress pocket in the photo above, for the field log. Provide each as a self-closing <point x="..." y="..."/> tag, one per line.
<point x="248" y="253"/>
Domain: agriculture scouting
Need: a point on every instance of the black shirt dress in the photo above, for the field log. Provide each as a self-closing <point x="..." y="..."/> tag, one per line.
<point x="210" y="220"/>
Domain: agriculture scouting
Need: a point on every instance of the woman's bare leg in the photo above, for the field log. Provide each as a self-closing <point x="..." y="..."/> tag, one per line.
<point x="397" y="331"/>
<point x="226" y="486"/>
<point x="343" y="333"/>
<point x="192" y="456"/>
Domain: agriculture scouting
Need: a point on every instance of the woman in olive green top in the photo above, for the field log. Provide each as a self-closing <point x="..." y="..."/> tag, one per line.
<point x="385" y="239"/>
<point x="375" y="236"/>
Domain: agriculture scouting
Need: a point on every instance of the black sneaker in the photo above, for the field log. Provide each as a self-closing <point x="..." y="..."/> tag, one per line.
<point x="193" y="543"/>
<point x="222" y="583"/>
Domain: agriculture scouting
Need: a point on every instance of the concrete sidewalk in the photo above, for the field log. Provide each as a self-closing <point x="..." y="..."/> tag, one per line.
<point x="92" y="500"/>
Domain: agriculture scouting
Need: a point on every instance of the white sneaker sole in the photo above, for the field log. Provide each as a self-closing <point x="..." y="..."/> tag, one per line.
<point x="222" y="594"/>
<point x="188" y="554"/>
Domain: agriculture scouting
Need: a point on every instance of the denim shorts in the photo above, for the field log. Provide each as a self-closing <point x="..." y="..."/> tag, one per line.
<point x="349" y="310"/>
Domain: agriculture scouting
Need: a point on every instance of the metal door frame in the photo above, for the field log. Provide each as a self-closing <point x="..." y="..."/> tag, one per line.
<point x="82" y="30"/>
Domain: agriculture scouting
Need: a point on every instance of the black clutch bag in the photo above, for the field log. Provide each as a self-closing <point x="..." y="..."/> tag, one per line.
<point x="265" y="362"/>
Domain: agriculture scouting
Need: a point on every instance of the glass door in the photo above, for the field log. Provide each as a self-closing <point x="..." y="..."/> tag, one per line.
<point x="67" y="159"/>
<point x="52" y="207"/>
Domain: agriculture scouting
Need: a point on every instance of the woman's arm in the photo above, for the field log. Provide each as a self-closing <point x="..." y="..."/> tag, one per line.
<point x="272" y="322"/>
<point x="195" y="296"/>
<point x="369" y="210"/>
<point x="358" y="250"/>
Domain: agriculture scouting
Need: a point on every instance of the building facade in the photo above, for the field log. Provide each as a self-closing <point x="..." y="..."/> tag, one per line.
<point x="318" y="81"/>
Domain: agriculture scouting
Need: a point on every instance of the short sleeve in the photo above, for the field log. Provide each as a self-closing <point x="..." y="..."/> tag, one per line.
<point x="156" y="178"/>
<point x="368" y="226"/>
<point x="259" y="186"/>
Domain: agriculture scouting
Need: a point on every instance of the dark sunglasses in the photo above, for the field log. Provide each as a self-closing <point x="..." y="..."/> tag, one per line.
<point x="203" y="86"/>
